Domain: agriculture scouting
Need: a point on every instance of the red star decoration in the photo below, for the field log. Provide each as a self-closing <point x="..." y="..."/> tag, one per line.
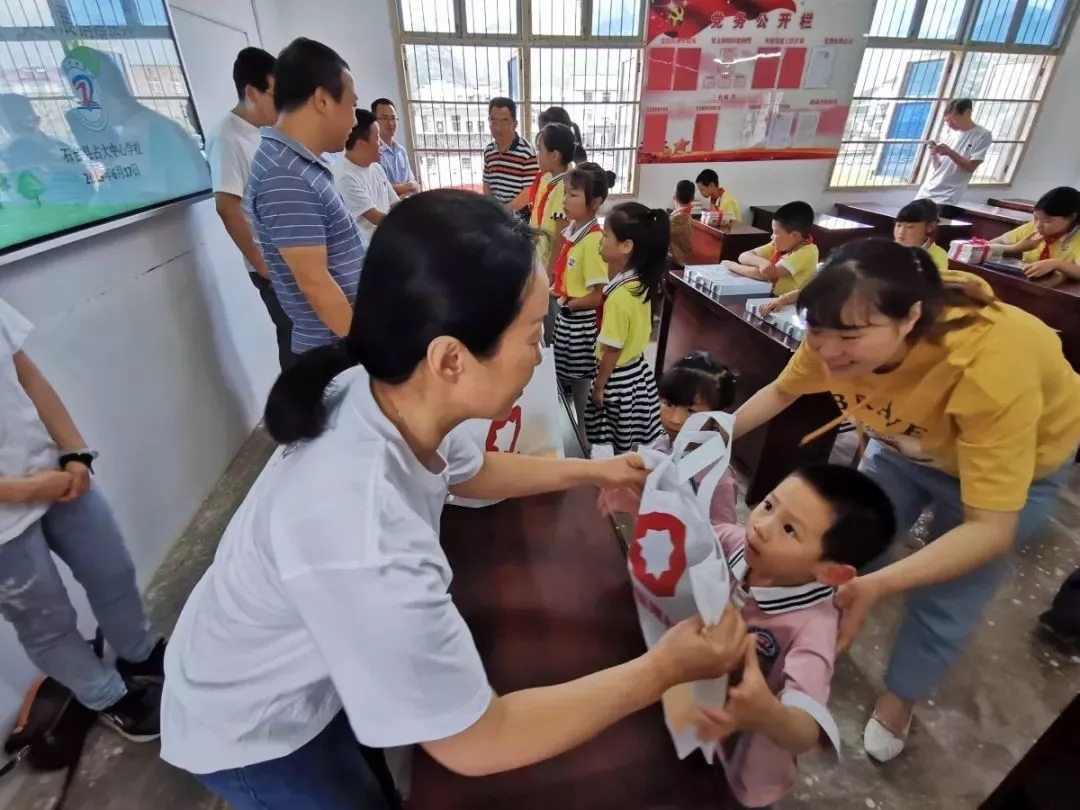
<point x="681" y="145"/>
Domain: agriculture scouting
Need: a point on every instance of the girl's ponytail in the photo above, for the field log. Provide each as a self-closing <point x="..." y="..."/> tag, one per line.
<point x="650" y="231"/>
<point x="296" y="407"/>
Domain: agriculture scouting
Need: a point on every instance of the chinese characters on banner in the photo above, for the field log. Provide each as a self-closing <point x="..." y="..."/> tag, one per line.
<point x="736" y="80"/>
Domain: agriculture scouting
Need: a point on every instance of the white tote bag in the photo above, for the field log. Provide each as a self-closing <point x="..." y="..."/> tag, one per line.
<point x="532" y="428"/>
<point x="676" y="566"/>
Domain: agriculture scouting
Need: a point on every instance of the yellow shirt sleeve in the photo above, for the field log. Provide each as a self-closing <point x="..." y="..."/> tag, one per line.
<point x="805" y="373"/>
<point x="618" y="320"/>
<point x="939" y="257"/>
<point x="1018" y="234"/>
<point x="534" y="214"/>
<point x="594" y="270"/>
<point x="766" y="251"/>
<point x="799" y="266"/>
<point x="1070" y="249"/>
<point x="729" y="205"/>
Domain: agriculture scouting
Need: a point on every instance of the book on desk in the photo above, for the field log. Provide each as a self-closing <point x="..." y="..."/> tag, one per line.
<point x="716" y="280"/>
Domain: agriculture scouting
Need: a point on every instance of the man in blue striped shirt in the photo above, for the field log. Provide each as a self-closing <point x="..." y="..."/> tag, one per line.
<point x="311" y="244"/>
<point x="392" y="155"/>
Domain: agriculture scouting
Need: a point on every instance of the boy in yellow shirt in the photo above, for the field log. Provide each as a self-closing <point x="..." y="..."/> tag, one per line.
<point x="720" y="199"/>
<point x="790" y="259"/>
<point x="1051" y="241"/>
<point x="916" y="226"/>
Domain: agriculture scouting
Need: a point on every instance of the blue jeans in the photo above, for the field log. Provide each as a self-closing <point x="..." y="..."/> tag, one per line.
<point x="939" y="618"/>
<point x="83" y="533"/>
<point x="329" y="773"/>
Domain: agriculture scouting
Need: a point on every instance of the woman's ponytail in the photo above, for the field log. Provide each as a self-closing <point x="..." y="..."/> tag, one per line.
<point x="580" y="155"/>
<point x="296" y="408"/>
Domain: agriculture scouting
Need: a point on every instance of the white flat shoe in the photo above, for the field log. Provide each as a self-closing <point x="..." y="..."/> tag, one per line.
<point x="881" y="743"/>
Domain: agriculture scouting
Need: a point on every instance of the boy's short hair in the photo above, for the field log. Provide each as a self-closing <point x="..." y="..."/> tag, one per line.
<point x="708" y="177"/>
<point x="960" y="106"/>
<point x="698" y="375"/>
<point x="796" y="217"/>
<point x="685" y="191"/>
<point x="919" y="211"/>
<point x="864" y="522"/>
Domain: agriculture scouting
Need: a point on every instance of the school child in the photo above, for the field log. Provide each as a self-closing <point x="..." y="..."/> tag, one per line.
<point x="805" y="539"/>
<point x="698" y="383"/>
<point x="681" y="229"/>
<point x="1051" y="241"/>
<point x="916" y="226"/>
<point x="559" y="115"/>
<point x="579" y="277"/>
<point x="554" y="155"/>
<point x="720" y="199"/>
<point x="624" y="409"/>
<point x="789" y="261"/>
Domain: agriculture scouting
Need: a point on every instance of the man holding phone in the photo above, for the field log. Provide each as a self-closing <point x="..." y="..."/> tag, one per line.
<point x="953" y="163"/>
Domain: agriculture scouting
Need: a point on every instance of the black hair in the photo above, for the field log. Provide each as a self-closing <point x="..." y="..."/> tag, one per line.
<point x="864" y="519"/>
<point x="685" y="191"/>
<point x="795" y="217"/>
<point x="919" y="211"/>
<point x="889" y="278"/>
<point x="560" y="138"/>
<point x="253" y="67"/>
<point x="379" y="102"/>
<point x="559" y="115"/>
<point x="650" y="231"/>
<point x="960" y="106"/>
<point x="302" y="68"/>
<point x="504" y="103"/>
<point x="708" y="177"/>
<point x="362" y="130"/>
<point x="698" y="376"/>
<point x="465" y="279"/>
<point x="1063" y="201"/>
<point x="591" y="179"/>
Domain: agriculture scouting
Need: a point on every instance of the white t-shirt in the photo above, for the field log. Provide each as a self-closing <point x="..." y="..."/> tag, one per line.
<point x="329" y="589"/>
<point x="363" y="188"/>
<point x="947" y="182"/>
<point x="230" y="149"/>
<point x="25" y="444"/>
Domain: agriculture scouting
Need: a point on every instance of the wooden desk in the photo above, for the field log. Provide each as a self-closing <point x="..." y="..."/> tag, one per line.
<point x="709" y="245"/>
<point x="543" y="585"/>
<point x="987" y="221"/>
<point x="1014" y="203"/>
<point x="883" y="217"/>
<point x="1057" y="305"/>
<point x="829" y="231"/>
<point x="756" y="353"/>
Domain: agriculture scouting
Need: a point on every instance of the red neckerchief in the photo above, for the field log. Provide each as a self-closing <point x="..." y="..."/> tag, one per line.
<point x="684" y="209"/>
<point x="535" y="187"/>
<point x="542" y="204"/>
<point x="564" y="256"/>
<point x="608" y="290"/>
<point x="779" y="255"/>
<point x="715" y="201"/>
<point x="1050" y="241"/>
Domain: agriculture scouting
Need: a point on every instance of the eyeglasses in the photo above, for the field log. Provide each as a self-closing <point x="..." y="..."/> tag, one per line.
<point x="388" y="119"/>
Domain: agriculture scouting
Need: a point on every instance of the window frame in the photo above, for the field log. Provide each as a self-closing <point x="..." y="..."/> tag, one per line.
<point x="524" y="41"/>
<point x="955" y="51"/>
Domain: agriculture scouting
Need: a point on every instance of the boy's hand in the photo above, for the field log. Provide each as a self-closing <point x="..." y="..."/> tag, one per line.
<point x="751" y="703"/>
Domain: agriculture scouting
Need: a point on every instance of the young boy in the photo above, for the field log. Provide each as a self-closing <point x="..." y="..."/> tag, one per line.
<point x="789" y="261"/>
<point x="720" y="199"/>
<point x="809" y="536"/>
<point x="681" y="229"/>
<point x="916" y="225"/>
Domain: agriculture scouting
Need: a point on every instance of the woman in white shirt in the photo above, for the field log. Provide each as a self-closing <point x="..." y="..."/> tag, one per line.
<point x="326" y="612"/>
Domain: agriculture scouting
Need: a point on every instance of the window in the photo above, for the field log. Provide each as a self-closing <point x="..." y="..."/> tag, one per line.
<point x="458" y="54"/>
<point x="920" y="55"/>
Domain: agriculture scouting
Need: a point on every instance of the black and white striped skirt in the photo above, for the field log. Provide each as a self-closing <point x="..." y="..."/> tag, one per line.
<point x="630" y="415"/>
<point x="575" y="345"/>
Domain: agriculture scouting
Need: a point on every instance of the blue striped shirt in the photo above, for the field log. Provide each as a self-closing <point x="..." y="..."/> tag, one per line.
<point x="291" y="202"/>
<point x="395" y="162"/>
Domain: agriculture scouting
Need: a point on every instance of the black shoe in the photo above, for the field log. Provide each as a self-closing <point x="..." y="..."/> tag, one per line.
<point x="1065" y="640"/>
<point x="137" y="715"/>
<point x="152" y="670"/>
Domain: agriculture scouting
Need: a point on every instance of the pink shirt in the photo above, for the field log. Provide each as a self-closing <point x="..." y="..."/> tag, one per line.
<point x="797" y="630"/>
<point x="722" y="506"/>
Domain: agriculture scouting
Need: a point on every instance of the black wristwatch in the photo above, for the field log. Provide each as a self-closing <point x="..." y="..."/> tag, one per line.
<point x="84" y="456"/>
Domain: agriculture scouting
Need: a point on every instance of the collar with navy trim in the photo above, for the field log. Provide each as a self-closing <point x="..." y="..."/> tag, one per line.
<point x="573" y="235"/>
<point x="621" y="278"/>
<point x="777" y="600"/>
<point x="275" y="134"/>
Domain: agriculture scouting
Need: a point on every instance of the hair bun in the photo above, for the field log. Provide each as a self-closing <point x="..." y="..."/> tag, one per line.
<point x="610" y="177"/>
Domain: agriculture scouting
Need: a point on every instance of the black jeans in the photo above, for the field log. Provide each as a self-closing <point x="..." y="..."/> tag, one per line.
<point x="282" y="323"/>
<point x="1064" y="613"/>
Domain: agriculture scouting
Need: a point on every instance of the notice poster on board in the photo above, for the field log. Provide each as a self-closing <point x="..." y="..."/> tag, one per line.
<point x="740" y="80"/>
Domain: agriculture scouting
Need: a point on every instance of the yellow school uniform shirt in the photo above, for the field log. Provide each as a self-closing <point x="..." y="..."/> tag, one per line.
<point x="729" y="205"/>
<point x="939" y="256"/>
<point x="801" y="264"/>
<point x="584" y="267"/>
<point x="1065" y="249"/>
<point x="553" y="210"/>
<point x="994" y="403"/>
<point x="627" y="324"/>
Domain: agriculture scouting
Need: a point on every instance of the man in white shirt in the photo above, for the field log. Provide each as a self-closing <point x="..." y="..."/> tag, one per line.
<point x="229" y="149"/>
<point x="392" y="155"/>
<point x="953" y="163"/>
<point x="361" y="179"/>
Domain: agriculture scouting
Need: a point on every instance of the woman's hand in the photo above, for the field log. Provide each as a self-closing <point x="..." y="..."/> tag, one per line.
<point x="855" y="599"/>
<point x="627" y="471"/>
<point x="1040" y="268"/>
<point x="46" y="486"/>
<point x="80" y="480"/>
<point x="689" y="651"/>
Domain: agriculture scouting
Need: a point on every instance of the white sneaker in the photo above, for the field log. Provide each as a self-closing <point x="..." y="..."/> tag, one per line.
<point x="881" y="743"/>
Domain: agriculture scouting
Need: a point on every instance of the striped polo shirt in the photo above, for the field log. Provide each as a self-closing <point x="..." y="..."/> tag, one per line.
<point x="509" y="173"/>
<point x="291" y="202"/>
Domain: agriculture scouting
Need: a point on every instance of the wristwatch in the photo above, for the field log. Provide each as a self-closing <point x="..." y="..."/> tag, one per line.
<point x="85" y="456"/>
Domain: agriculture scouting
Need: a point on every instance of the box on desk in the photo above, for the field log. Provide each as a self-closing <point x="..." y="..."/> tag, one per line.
<point x="716" y="280"/>
<point x="974" y="251"/>
<point x="786" y="319"/>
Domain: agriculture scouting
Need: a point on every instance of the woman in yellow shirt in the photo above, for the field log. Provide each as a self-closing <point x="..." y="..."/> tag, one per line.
<point x="624" y="410"/>
<point x="555" y="152"/>
<point x="1051" y="241"/>
<point x="971" y="408"/>
<point x="790" y="259"/>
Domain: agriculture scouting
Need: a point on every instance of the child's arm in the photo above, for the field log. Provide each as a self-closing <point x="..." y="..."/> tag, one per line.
<point x="750" y="258"/>
<point x="768" y="272"/>
<point x="607" y="365"/>
<point x="591" y="300"/>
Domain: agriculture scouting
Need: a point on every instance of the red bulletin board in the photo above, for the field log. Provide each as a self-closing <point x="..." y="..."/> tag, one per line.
<point x="730" y="80"/>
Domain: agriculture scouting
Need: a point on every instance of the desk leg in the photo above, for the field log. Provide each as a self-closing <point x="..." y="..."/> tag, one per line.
<point x="668" y="307"/>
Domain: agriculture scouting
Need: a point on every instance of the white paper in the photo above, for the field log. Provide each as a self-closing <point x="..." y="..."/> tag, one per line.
<point x="806" y="127"/>
<point x="779" y="136"/>
<point x="819" y="68"/>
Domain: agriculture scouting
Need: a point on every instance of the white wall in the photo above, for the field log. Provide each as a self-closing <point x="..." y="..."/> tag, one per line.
<point x="162" y="350"/>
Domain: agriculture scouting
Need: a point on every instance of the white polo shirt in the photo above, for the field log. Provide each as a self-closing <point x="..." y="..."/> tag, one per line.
<point x="947" y="182"/>
<point x="25" y="444"/>
<point x="363" y="188"/>
<point x="329" y="590"/>
<point x="229" y="150"/>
